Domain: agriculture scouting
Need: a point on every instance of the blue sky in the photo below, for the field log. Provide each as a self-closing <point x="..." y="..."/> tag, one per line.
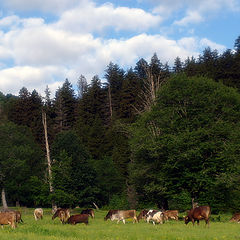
<point x="43" y="42"/>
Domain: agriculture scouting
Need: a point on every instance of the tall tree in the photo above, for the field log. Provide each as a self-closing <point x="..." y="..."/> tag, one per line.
<point x="178" y="66"/>
<point x="115" y="77"/>
<point x="65" y="105"/>
<point x="82" y="86"/>
<point x="195" y="153"/>
<point x="73" y="177"/>
<point x="20" y="159"/>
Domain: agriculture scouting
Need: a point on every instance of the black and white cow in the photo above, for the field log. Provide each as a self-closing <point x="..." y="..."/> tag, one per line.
<point x="155" y="216"/>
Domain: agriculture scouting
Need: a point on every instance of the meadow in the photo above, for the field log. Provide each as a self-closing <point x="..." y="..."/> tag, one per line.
<point x="48" y="229"/>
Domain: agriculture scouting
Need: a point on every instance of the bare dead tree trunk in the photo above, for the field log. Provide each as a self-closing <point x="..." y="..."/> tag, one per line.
<point x="194" y="204"/>
<point x="95" y="205"/>
<point x="44" y="121"/>
<point x="4" y="201"/>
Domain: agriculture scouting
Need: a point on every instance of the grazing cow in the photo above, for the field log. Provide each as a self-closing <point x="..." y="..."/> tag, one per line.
<point x="8" y="218"/>
<point x="18" y="214"/>
<point x="63" y="214"/>
<point x="142" y="215"/>
<point x="198" y="213"/>
<point x="90" y="212"/>
<point x="38" y="213"/>
<point x="121" y="215"/>
<point x="235" y="218"/>
<point x="155" y="216"/>
<point x="78" y="218"/>
<point x="171" y="214"/>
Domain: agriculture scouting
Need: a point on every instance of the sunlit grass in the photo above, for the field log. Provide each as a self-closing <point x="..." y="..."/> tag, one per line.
<point x="100" y="229"/>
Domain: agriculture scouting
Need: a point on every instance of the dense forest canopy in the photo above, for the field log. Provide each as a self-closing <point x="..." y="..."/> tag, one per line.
<point x="149" y="136"/>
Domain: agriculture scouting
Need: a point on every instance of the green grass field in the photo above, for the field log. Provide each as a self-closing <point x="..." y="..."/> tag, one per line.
<point x="100" y="229"/>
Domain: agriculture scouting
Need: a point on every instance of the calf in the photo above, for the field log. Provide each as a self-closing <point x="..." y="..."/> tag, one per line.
<point x="121" y="215"/>
<point x="63" y="214"/>
<point x="78" y="218"/>
<point x="38" y="213"/>
<point x="155" y="216"/>
<point x="90" y="212"/>
<point x="235" y="218"/>
<point x="171" y="214"/>
<point x="8" y="218"/>
<point x="198" y="213"/>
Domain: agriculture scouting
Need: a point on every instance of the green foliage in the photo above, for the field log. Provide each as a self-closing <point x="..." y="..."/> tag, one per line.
<point x="188" y="142"/>
<point x="108" y="178"/>
<point x="72" y="172"/>
<point x="118" y="201"/>
<point x="20" y="159"/>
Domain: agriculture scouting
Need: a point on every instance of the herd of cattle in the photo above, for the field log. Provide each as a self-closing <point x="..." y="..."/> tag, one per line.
<point x="12" y="217"/>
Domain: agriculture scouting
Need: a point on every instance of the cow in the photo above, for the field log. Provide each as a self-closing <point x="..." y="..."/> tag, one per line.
<point x="121" y="215"/>
<point x="235" y="218"/>
<point x="155" y="216"/>
<point x="90" y="212"/>
<point x="38" y="213"/>
<point x="171" y="214"/>
<point x="78" y="218"/>
<point x="18" y="214"/>
<point x="198" y="213"/>
<point x="142" y="214"/>
<point x="8" y="218"/>
<point x="63" y="214"/>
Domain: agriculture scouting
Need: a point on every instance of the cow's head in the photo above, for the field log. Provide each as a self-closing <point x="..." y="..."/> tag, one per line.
<point x="186" y="220"/>
<point x="108" y="216"/>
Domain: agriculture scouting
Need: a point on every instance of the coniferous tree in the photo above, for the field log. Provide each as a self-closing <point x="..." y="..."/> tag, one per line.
<point x="115" y="77"/>
<point x="177" y="68"/>
<point x="65" y="106"/>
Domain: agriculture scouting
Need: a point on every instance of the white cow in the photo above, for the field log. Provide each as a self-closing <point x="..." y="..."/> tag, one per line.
<point x="38" y="213"/>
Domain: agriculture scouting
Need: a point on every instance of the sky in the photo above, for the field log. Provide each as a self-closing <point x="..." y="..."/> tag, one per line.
<point x="43" y="42"/>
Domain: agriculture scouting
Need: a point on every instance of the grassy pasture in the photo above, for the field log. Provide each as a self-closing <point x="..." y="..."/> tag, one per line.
<point x="99" y="229"/>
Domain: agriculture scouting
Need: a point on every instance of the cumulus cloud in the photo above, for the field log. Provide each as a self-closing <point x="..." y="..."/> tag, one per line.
<point x="53" y="6"/>
<point x="194" y="11"/>
<point x="13" y="79"/>
<point x="191" y="17"/>
<point x="91" y="18"/>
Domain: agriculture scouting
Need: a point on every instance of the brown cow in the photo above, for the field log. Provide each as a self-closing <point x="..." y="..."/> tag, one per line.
<point x="63" y="214"/>
<point x="8" y="218"/>
<point x="90" y="212"/>
<point x="78" y="218"/>
<point x="235" y="218"/>
<point x="121" y="215"/>
<point x="38" y="213"/>
<point x="142" y="215"/>
<point x="198" y="213"/>
<point x="18" y="214"/>
<point x="171" y="214"/>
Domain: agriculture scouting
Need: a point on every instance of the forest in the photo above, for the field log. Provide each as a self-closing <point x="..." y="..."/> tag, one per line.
<point x="152" y="135"/>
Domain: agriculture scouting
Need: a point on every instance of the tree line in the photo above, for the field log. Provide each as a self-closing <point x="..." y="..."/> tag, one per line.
<point x="147" y="136"/>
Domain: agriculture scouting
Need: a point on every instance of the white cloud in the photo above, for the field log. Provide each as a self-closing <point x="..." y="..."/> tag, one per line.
<point x="191" y="17"/>
<point x="194" y="11"/>
<point x="13" y="79"/>
<point x="9" y="21"/>
<point x="214" y="46"/>
<point x="89" y="18"/>
<point x="53" y="6"/>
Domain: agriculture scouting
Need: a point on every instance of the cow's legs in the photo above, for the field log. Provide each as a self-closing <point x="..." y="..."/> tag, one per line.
<point x="123" y="221"/>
